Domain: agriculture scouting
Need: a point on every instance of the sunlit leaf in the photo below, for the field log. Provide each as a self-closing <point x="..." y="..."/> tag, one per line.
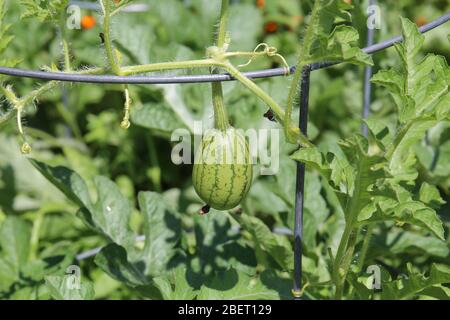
<point x="67" y="288"/>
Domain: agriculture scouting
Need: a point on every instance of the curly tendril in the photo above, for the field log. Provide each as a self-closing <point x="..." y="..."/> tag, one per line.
<point x="125" y="124"/>
<point x="269" y="51"/>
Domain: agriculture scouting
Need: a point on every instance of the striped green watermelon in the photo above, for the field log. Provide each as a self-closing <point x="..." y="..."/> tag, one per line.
<point x="223" y="168"/>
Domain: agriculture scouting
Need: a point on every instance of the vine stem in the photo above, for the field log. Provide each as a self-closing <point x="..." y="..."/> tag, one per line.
<point x="302" y="62"/>
<point x="222" y="31"/>
<point x="161" y="66"/>
<point x="220" y="112"/>
<point x="30" y="97"/>
<point x="221" y="117"/>
<point x="67" y="66"/>
<point x="279" y="113"/>
<point x="226" y="66"/>
<point x="34" y="239"/>
<point x="37" y="224"/>
<point x="347" y="243"/>
<point x="337" y="261"/>
<point x="363" y="254"/>
<point x="65" y="46"/>
<point x="344" y="266"/>
<point x="398" y="139"/>
<point x="9" y="95"/>
<point x="219" y="61"/>
<point x="110" y="54"/>
<point x="19" y="103"/>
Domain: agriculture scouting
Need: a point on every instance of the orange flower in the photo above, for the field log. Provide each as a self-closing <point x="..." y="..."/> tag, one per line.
<point x="261" y="3"/>
<point x="421" y="20"/>
<point x="88" y="22"/>
<point x="271" y="27"/>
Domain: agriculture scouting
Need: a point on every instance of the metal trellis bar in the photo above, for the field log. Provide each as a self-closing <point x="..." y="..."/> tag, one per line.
<point x="70" y="77"/>
<point x="300" y="186"/>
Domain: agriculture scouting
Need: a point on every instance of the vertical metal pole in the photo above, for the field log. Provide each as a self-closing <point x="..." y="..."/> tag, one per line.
<point x="300" y="187"/>
<point x="367" y="76"/>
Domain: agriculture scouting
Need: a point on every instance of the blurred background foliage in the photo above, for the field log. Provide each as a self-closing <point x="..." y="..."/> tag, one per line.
<point x="77" y="125"/>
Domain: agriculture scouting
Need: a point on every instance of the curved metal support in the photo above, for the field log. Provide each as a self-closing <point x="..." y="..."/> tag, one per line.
<point x="70" y="77"/>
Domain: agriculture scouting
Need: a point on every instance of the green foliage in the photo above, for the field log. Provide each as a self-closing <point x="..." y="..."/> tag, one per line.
<point x="162" y="232"/>
<point x="381" y="200"/>
<point x="416" y="283"/>
<point x="60" y="289"/>
<point x="375" y="178"/>
<point x="114" y="261"/>
<point x="5" y="39"/>
<point x="22" y="277"/>
<point x="331" y="38"/>
<point x="44" y="10"/>
<point x="231" y="285"/>
<point x="327" y="38"/>
<point x="268" y="243"/>
<point x="15" y="242"/>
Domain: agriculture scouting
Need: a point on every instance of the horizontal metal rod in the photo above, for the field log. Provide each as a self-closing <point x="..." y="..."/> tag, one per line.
<point x="137" y="7"/>
<point x="70" y="77"/>
<point x="111" y="79"/>
<point x="92" y="252"/>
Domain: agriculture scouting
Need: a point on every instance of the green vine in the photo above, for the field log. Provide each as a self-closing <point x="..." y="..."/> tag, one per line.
<point x="217" y="59"/>
<point x="304" y="59"/>
<point x="220" y="113"/>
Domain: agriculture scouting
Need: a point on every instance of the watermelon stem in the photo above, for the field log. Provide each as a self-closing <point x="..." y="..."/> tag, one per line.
<point x="221" y="121"/>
